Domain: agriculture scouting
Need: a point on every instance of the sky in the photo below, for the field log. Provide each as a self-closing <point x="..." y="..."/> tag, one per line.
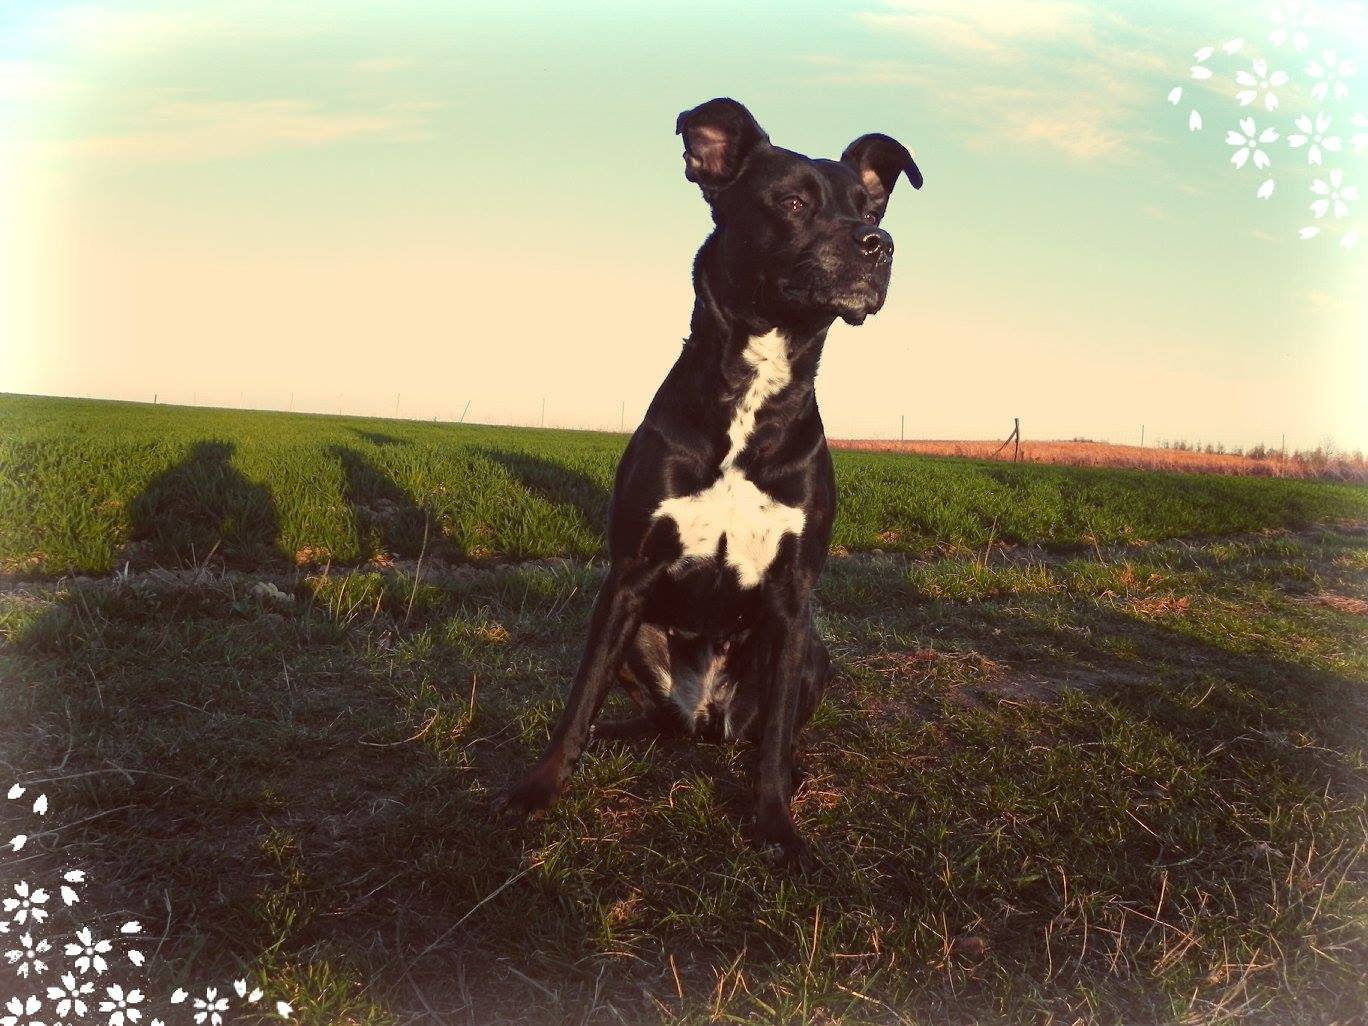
<point x="444" y="209"/>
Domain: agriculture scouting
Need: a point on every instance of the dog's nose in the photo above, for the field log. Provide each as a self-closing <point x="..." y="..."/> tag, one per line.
<point x="874" y="243"/>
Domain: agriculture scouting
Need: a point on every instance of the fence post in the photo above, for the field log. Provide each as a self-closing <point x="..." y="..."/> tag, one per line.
<point x="1015" y="436"/>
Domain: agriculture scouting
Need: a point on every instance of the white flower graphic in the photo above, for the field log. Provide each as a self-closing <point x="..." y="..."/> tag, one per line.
<point x="210" y="1007"/>
<point x="21" y="1012"/>
<point x="1330" y="72"/>
<point x="88" y="952"/>
<point x="120" y="1005"/>
<point x="1290" y="21"/>
<point x="1359" y="140"/>
<point x="1200" y="71"/>
<point x="241" y="987"/>
<point x="25" y="957"/>
<point x="1249" y="140"/>
<point x="1335" y="195"/>
<point x="68" y="996"/>
<point x="69" y="895"/>
<point x="28" y="906"/>
<point x="1314" y="133"/>
<point x="1194" y="118"/>
<point x="1260" y="82"/>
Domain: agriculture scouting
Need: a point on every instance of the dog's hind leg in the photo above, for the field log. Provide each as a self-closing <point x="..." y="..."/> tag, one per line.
<point x="633" y="728"/>
<point x="817" y="673"/>
<point x="646" y="677"/>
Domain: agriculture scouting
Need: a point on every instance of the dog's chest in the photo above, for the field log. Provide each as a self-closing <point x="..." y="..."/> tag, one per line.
<point x="732" y="507"/>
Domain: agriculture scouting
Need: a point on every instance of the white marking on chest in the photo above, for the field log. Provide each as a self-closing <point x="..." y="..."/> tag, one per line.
<point x="753" y="521"/>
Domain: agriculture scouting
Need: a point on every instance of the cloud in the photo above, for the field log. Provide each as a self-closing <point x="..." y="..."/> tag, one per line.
<point x="31" y="80"/>
<point x="212" y="130"/>
<point x="983" y="25"/>
<point x="382" y="64"/>
<point x="1079" y="112"/>
<point x="1050" y="74"/>
<point x="1083" y="131"/>
<point x="98" y="26"/>
<point x="177" y="120"/>
<point x="130" y="29"/>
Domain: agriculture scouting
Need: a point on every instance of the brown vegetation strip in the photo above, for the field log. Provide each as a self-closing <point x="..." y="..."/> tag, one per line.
<point x="1313" y="465"/>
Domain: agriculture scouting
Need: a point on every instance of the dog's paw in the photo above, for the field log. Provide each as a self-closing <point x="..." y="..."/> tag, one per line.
<point x="528" y="799"/>
<point x="777" y="839"/>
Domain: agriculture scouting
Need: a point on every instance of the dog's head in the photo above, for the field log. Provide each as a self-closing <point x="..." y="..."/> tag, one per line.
<point x="799" y="237"/>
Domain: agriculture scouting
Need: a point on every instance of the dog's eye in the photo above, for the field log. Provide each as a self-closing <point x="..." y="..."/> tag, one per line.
<point x="793" y="203"/>
<point x="872" y="217"/>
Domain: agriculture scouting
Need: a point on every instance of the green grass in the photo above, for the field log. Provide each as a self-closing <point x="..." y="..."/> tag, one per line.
<point x="1095" y="752"/>
<point x="1118" y="786"/>
<point x="94" y="485"/>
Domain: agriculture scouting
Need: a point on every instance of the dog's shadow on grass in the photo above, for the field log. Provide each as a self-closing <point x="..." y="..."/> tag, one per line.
<point x="1122" y="648"/>
<point x="205" y="509"/>
<point x="556" y="484"/>
<point x="389" y="520"/>
<point x="1204" y="694"/>
<point x="378" y="438"/>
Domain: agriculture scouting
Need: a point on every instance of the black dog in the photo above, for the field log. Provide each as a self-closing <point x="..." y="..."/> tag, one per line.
<point x="724" y="500"/>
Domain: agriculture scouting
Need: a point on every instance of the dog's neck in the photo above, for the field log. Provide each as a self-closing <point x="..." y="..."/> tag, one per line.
<point x="724" y="324"/>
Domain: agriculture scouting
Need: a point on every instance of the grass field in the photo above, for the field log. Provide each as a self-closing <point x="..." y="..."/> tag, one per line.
<point x="1094" y="752"/>
<point x="1120" y="787"/>
<point x="92" y="485"/>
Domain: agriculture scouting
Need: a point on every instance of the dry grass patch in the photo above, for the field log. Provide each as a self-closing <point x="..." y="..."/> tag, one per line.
<point x="1316" y="466"/>
<point x="1341" y="603"/>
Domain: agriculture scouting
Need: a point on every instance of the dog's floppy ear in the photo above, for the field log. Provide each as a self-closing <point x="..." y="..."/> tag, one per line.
<point x="878" y="160"/>
<point x="719" y="136"/>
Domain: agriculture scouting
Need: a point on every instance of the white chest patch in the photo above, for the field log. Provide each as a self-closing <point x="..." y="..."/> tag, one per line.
<point x="753" y="522"/>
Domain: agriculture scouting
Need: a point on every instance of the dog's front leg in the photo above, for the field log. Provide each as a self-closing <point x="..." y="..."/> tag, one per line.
<point x="785" y="644"/>
<point x="616" y="617"/>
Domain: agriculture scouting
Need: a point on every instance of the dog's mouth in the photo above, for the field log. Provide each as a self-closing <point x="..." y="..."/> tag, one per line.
<point x="852" y="301"/>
